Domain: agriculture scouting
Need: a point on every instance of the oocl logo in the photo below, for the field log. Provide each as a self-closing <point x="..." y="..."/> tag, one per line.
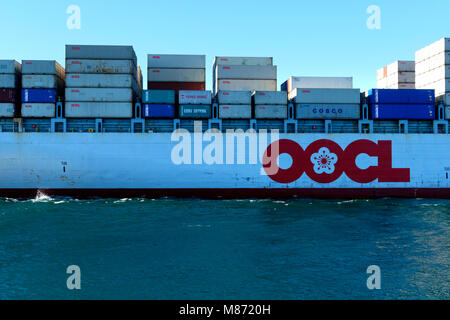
<point x="324" y="161"/>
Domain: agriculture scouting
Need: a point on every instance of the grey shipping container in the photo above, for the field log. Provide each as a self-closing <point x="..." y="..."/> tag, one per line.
<point x="249" y="85"/>
<point x="234" y="97"/>
<point x="38" y="110"/>
<point x="176" y="75"/>
<point x="243" y="61"/>
<point x="101" y="66"/>
<point x="10" y="66"/>
<point x="100" y="52"/>
<point x="324" y="96"/>
<point x="99" y="110"/>
<point x="176" y="61"/>
<point x="235" y="111"/>
<point x="34" y="81"/>
<point x="447" y="112"/>
<point x="40" y="67"/>
<point x="9" y="81"/>
<point x="328" y="111"/>
<point x="195" y="97"/>
<point x="270" y="97"/>
<point x="7" y="110"/>
<point x="158" y="96"/>
<point x="246" y="72"/>
<point x="195" y="111"/>
<point x="271" y="111"/>
<point x="99" y="94"/>
<point x="101" y="81"/>
<point x="444" y="99"/>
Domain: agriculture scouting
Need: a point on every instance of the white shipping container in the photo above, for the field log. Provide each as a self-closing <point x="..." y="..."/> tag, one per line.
<point x="442" y="45"/>
<point x="382" y="84"/>
<point x="10" y="67"/>
<point x="101" y="66"/>
<point x="270" y="97"/>
<point x="245" y="85"/>
<point x="99" y="110"/>
<point x="404" y="77"/>
<point x="271" y="111"/>
<point x="434" y="75"/>
<point x="176" y="61"/>
<point x="320" y="82"/>
<point x="176" y="75"/>
<point x="100" y="81"/>
<point x="8" y="81"/>
<point x="100" y="52"/>
<point x="401" y="66"/>
<point x="34" y="81"/>
<point x="243" y="61"/>
<point x="440" y="87"/>
<point x="99" y="94"/>
<point x="41" y="67"/>
<point x="325" y="96"/>
<point x="195" y="97"/>
<point x="38" y="110"/>
<point x="235" y="111"/>
<point x="434" y="62"/>
<point x="382" y="73"/>
<point x="328" y="111"/>
<point x="246" y="72"/>
<point x="234" y="97"/>
<point x="7" y="110"/>
<point x="401" y="86"/>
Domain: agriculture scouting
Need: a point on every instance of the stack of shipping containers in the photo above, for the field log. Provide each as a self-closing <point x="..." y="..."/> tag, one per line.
<point x="270" y="104"/>
<point x="10" y="71"/>
<point x="158" y="104"/>
<point x="42" y="86"/>
<point x="195" y="104"/>
<point x="433" y="71"/>
<point x="102" y="82"/>
<point x="397" y="75"/>
<point x="235" y="104"/>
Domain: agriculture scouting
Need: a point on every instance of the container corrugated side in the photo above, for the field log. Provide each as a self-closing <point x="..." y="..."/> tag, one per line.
<point x="9" y="81"/>
<point x="195" y="111"/>
<point x="10" y="67"/>
<point x="176" y="61"/>
<point x="325" y="96"/>
<point x="34" y="81"/>
<point x="99" y="110"/>
<point x="328" y="111"/>
<point x="444" y="99"/>
<point x="402" y="111"/>
<point x="270" y="97"/>
<point x="400" y="66"/>
<point x="41" y="67"/>
<point x="7" y="110"/>
<point x="158" y="96"/>
<point x="101" y="66"/>
<point x="39" y="96"/>
<point x="38" y="110"/>
<point x="243" y="61"/>
<point x="99" y="94"/>
<point x="176" y="75"/>
<point x="270" y="111"/>
<point x="247" y="72"/>
<point x="319" y="83"/>
<point x="229" y="111"/>
<point x="234" y="97"/>
<point x="401" y="96"/>
<point x="195" y="97"/>
<point x="158" y="111"/>
<point x="101" y="81"/>
<point x="8" y="95"/>
<point x="100" y="52"/>
<point x="246" y="85"/>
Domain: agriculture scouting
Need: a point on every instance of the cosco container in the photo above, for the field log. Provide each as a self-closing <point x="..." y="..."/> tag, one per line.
<point x="158" y="111"/>
<point x="34" y="81"/>
<point x="229" y="111"/>
<point x="100" y="81"/>
<point x="99" y="110"/>
<point x="176" y="61"/>
<point x="324" y="96"/>
<point x="101" y="66"/>
<point x="100" y="52"/>
<point x="99" y="94"/>
<point x="234" y="97"/>
<point x="40" y="67"/>
<point x="177" y="75"/>
<point x="9" y="81"/>
<point x="10" y="67"/>
<point x="195" y="111"/>
<point x="328" y="111"/>
<point x="195" y="97"/>
<point x="271" y="111"/>
<point x="176" y="86"/>
<point x="402" y="111"/>
<point x="8" y="95"/>
<point x="317" y="83"/>
<point x="39" y="95"/>
<point x="38" y="110"/>
<point x="158" y="97"/>
<point x="247" y="85"/>
<point x="401" y="96"/>
<point x="243" y="61"/>
<point x="270" y="97"/>
<point x="247" y="72"/>
<point x="7" y="110"/>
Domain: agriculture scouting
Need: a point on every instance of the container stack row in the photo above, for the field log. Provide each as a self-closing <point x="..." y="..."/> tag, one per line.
<point x="43" y="84"/>
<point x="317" y="83"/>
<point x="270" y="104"/>
<point x="102" y="81"/>
<point x="10" y="76"/>
<point x="397" y="75"/>
<point x="235" y="104"/>
<point x="433" y="70"/>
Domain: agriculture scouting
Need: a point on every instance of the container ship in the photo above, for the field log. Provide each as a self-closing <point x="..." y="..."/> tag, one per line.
<point x="90" y="130"/>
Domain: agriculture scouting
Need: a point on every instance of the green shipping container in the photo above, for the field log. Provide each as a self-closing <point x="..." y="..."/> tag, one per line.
<point x="195" y="111"/>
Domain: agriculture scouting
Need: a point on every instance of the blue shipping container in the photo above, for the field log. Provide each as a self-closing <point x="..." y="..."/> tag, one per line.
<point x="402" y="111"/>
<point x="284" y="86"/>
<point x="158" y="111"/>
<point x="401" y="96"/>
<point x="38" y="96"/>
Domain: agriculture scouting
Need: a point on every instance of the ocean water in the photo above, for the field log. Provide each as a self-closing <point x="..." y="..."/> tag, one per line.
<point x="201" y="249"/>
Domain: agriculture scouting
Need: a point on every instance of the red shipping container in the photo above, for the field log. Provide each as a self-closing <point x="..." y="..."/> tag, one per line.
<point x="8" y="95"/>
<point x="177" y="86"/>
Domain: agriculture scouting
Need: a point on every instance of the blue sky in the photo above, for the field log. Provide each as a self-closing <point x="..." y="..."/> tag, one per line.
<point x="306" y="38"/>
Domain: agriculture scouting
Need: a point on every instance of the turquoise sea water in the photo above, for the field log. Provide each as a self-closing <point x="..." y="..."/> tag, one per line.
<point x="249" y="249"/>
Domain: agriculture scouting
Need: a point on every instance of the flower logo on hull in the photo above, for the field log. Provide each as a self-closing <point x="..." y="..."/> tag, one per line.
<point x="324" y="161"/>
